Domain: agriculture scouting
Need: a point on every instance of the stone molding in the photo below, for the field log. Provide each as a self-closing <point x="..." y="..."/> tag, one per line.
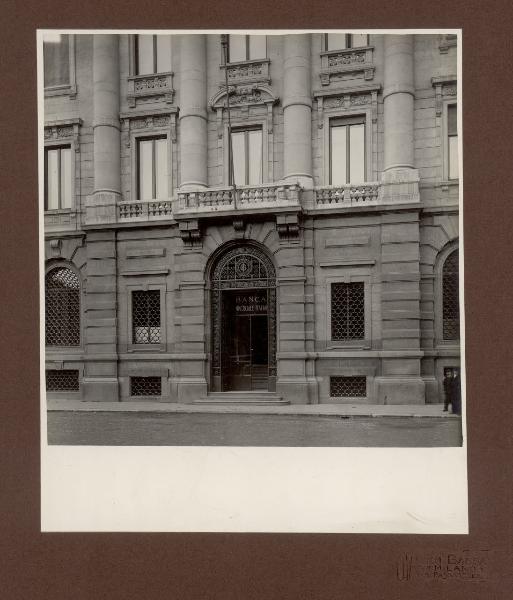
<point x="148" y="120"/>
<point x="65" y="130"/>
<point x="364" y="96"/>
<point x="449" y="40"/>
<point x="445" y="86"/>
<point x="337" y="64"/>
<point x="150" y="88"/>
<point x="248" y="71"/>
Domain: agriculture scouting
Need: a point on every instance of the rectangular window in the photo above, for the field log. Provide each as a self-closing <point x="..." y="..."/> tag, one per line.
<point x="348" y="387"/>
<point x="344" y="41"/>
<point x="146" y="317"/>
<point x="57" y="178"/>
<point x="145" y="386"/>
<point x="347" y="311"/>
<point x="56" y="60"/>
<point x="452" y="141"/>
<point x="152" y="54"/>
<point x="152" y="169"/>
<point x="347" y="151"/>
<point x="65" y="380"/>
<point x="246" y="47"/>
<point x="247" y="156"/>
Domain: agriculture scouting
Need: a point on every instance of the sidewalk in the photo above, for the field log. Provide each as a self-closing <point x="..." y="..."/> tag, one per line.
<point x="340" y="410"/>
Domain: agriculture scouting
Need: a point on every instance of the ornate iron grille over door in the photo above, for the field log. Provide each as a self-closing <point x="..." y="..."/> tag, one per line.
<point x="62" y="307"/>
<point x="451" y="307"/>
<point x="249" y="270"/>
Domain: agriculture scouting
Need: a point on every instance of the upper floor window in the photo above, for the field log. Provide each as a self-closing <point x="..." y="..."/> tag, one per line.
<point x="450" y="298"/>
<point x="246" y="47"/>
<point x="56" y="58"/>
<point x="57" y="177"/>
<point x="347" y="150"/>
<point x="152" y="168"/>
<point x="452" y="141"/>
<point x="152" y="54"/>
<point x="344" y="41"/>
<point x="62" y="307"/>
<point x="247" y="156"/>
<point x="348" y="311"/>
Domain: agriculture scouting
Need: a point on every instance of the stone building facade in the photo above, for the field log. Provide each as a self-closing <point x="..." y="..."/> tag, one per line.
<point x="328" y="274"/>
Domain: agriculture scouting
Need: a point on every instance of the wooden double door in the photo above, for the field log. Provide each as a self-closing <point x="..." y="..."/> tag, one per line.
<point x="245" y="340"/>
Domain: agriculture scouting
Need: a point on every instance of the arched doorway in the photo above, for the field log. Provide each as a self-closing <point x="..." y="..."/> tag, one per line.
<point x="243" y="301"/>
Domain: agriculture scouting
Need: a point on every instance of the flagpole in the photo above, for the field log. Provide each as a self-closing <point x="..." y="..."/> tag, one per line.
<point x="231" y="174"/>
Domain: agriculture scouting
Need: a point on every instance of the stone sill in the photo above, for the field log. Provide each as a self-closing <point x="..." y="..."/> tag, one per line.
<point x="61" y="90"/>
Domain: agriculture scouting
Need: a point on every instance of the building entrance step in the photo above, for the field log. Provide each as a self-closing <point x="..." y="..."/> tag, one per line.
<point x="231" y="398"/>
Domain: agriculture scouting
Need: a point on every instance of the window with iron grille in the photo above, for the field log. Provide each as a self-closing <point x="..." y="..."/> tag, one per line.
<point x="146" y="317"/>
<point x="348" y="387"/>
<point x="62" y="308"/>
<point x="347" y="311"/>
<point x="64" y="380"/>
<point x="450" y="297"/>
<point x="145" y="386"/>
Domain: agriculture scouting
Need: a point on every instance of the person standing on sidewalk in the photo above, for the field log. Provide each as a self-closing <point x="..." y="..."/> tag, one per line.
<point x="448" y="389"/>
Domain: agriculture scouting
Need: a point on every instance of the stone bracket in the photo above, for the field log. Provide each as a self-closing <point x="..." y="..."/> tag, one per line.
<point x="190" y="233"/>
<point x="287" y="225"/>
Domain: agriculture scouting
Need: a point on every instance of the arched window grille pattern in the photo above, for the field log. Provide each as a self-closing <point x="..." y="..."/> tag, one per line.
<point x="62" y="307"/>
<point x="450" y="297"/>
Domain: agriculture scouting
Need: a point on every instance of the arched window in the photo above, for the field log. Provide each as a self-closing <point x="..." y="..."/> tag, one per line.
<point x="450" y="298"/>
<point x="62" y="307"/>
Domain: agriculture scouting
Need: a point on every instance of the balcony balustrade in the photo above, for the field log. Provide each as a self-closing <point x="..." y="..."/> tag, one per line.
<point x="350" y="195"/>
<point x="142" y="210"/>
<point x="245" y="199"/>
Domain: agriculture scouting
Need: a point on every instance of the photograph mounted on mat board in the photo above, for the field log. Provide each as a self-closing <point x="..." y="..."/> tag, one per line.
<point x="252" y="241"/>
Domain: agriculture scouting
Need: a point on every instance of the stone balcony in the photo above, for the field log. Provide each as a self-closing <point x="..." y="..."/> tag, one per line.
<point x="143" y="210"/>
<point x="350" y="195"/>
<point x="214" y="202"/>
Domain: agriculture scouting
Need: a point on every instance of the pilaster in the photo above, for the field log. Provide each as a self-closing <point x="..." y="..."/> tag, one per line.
<point x="400" y="381"/>
<point x="100" y="382"/>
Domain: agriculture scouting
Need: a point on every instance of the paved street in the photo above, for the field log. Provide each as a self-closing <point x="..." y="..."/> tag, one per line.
<point x="135" y="428"/>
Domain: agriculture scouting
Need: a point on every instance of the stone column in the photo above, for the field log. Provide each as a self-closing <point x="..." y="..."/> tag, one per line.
<point x="100" y="382"/>
<point x="101" y="205"/>
<point x="400" y="178"/>
<point x="193" y="112"/>
<point x="297" y="110"/>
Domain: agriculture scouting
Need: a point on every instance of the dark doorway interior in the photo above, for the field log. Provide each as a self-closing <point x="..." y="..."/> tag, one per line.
<point x="245" y="340"/>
